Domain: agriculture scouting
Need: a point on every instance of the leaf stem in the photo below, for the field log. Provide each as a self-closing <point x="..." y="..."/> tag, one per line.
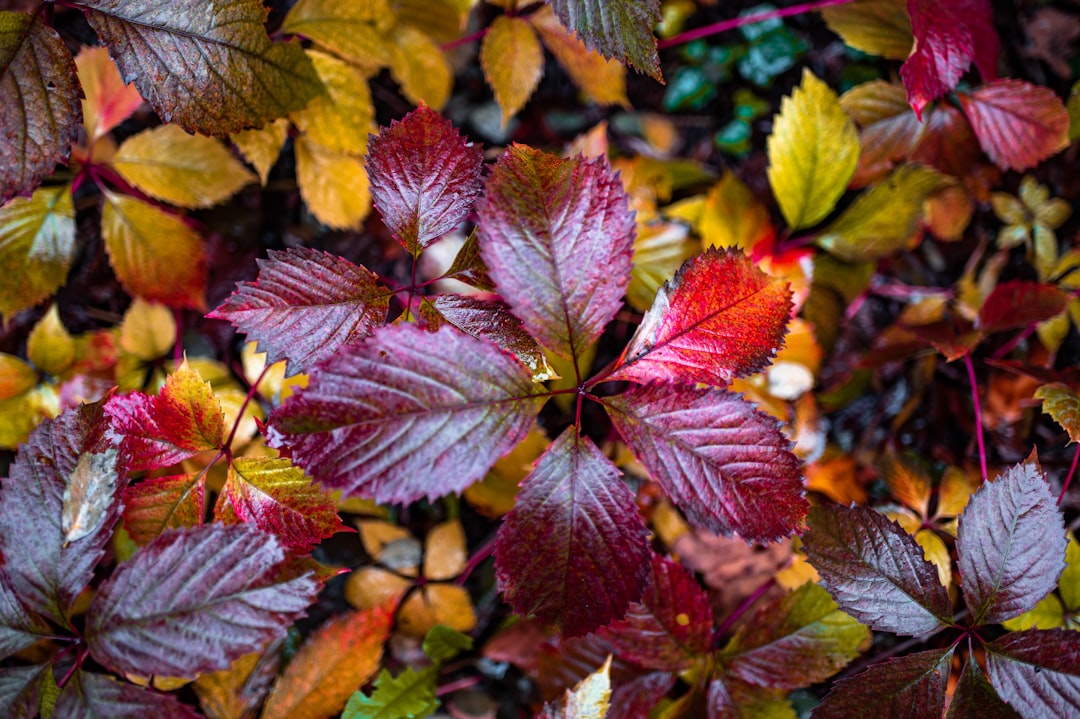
<point x="247" y="400"/>
<point x="737" y="22"/>
<point x="484" y="551"/>
<point x="742" y="608"/>
<point x="978" y="414"/>
<point x="1069" y="476"/>
<point x="457" y="685"/>
<point x="464" y="40"/>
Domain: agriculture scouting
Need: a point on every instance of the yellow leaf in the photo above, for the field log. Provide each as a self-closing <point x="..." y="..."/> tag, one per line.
<point x="353" y="30"/>
<point x="341" y="119"/>
<point x="589" y="698"/>
<point x="949" y="212"/>
<point x="275" y="387"/>
<point x="733" y="217"/>
<point x="1062" y="403"/>
<point x="513" y="63"/>
<point x="50" y="346"/>
<point x="16" y="376"/>
<point x="659" y="250"/>
<point x="372" y="586"/>
<point x="419" y="66"/>
<point x="813" y="152"/>
<point x="601" y="79"/>
<point x="21" y="413"/>
<point x="444" y="551"/>
<point x="441" y="19"/>
<point x="334" y="185"/>
<point x="937" y="553"/>
<point x="181" y="169"/>
<point x="107" y="101"/>
<point x="261" y="147"/>
<point x="876" y="27"/>
<point x="37" y="243"/>
<point x="433" y="604"/>
<point x="1069" y="584"/>
<point x="1047" y="614"/>
<point x="225" y="694"/>
<point x="148" y="330"/>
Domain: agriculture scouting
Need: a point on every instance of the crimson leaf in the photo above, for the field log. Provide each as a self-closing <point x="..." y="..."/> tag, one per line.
<point x="622" y="30"/>
<point x="424" y="177"/>
<point x="1018" y="303"/>
<point x="911" y="686"/>
<point x="159" y="503"/>
<point x="1037" y="671"/>
<point x="1011" y="544"/>
<point x="875" y="570"/>
<point x="93" y="696"/>
<point x="193" y="600"/>
<point x="574" y="522"/>
<point x="1018" y="124"/>
<point x="407" y="414"/>
<point x="724" y="463"/>
<point x="304" y="305"/>
<point x="557" y="236"/>
<point x="974" y="698"/>
<point x="719" y="318"/>
<point x="19" y="627"/>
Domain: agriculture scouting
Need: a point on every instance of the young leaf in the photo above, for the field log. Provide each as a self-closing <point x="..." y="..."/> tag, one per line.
<point x="219" y="53"/>
<point x="1011" y="545"/>
<point x="574" y="523"/>
<point x="1017" y="303"/>
<point x="334" y="185"/>
<point x="39" y="91"/>
<point x="341" y="119"/>
<point x="620" y="30"/>
<point x="1037" y="671"/>
<point x="557" y="237"/>
<point x="304" y="305"/>
<point x="813" y="152"/>
<point x="89" y="696"/>
<point x="876" y="27"/>
<point x="19" y="627"/>
<point x="725" y="464"/>
<point x="37" y="244"/>
<point x="974" y="698"/>
<point x="355" y="31"/>
<point x="424" y="177"/>
<point x="208" y="594"/>
<point x="1062" y="403"/>
<point x="1018" y="124"/>
<point x="875" y="570"/>
<point x="601" y="79"/>
<point x="911" y="686"/>
<point x="365" y="424"/>
<point x="719" y="318"/>
<point x="159" y="503"/>
<point x="513" y="63"/>
<point x="409" y="695"/>
<point x="108" y="101"/>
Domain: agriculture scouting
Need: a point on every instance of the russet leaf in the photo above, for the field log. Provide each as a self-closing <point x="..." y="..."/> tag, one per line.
<point x="37" y="245"/>
<point x="1018" y="124"/>
<point x="107" y="100"/>
<point x="889" y="130"/>
<point x="619" y="30"/>
<point x="1037" y="671"/>
<point x="1015" y="304"/>
<point x="333" y="184"/>
<point x="159" y="503"/>
<point x="911" y="686"/>
<point x="16" y="376"/>
<point x="974" y="698"/>
<point x="236" y="692"/>
<point x="513" y="63"/>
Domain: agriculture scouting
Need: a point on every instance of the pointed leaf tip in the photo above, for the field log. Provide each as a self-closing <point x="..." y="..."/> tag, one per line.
<point x="621" y="30"/>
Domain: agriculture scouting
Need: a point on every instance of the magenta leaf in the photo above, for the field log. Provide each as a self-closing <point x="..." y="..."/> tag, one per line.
<point x="424" y="177"/>
<point x="904" y="688"/>
<point x="574" y="523"/>
<point x="1018" y="124"/>
<point x="974" y="698"/>
<point x="1011" y="545"/>
<point x="719" y="318"/>
<point x="193" y="600"/>
<point x="875" y="570"/>
<point x="94" y="696"/>
<point x="557" y="236"/>
<point x="21" y="691"/>
<point x="724" y="463"/>
<point x="1037" y="671"/>
<point x="304" y="305"/>
<point x="19" y="627"/>
<point x="1018" y="303"/>
<point x="408" y="414"/>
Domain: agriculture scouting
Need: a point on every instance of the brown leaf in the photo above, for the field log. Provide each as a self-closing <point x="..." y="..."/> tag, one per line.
<point x="89" y="494"/>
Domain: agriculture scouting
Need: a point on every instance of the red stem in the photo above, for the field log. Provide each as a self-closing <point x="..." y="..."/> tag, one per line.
<point x="978" y="414"/>
<point x="742" y="608"/>
<point x="736" y="22"/>
<point x="478" y="35"/>
<point x="457" y="685"/>
<point x="247" y="400"/>
<point x="483" y="552"/>
<point x="1068" y="478"/>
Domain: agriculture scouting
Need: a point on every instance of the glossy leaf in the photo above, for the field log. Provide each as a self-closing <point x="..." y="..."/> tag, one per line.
<point x="601" y="79"/>
<point x="107" y="100"/>
<point x="875" y="570"/>
<point x="911" y="686"/>
<point x="40" y="95"/>
<point x="974" y="698"/>
<point x="1037" y="671"/>
<point x="557" y="235"/>
<point x="513" y="63"/>
<point x="355" y="31"/>
<point x="365" y="425"/>
<point x="19" y="627"/>
<point x="1018" y="124"/>
<point x="718" y="319"/>
<point x="304" y="305"/>
<point x="876" y="27"/>
<point x="1018" y="303"/>
<point x="341" y="119"/>
<point x="1011" y="545"/>
<point x="574" y="521"/>
<point x="159" y="503"/>
<point x="334" y="185"/>
<point x="170" y="612"/>
<point x="722" y="462"/>
<point x="90" y="696"/>
<point x="620" y="30"/>
<point x="813" y="152"/>
<point x="1062" y="403"/>
<point x="37" y="245"/>
<point x="220" y="54"/>
<point x="424" y="177"/>
<point x="410" y="694"/>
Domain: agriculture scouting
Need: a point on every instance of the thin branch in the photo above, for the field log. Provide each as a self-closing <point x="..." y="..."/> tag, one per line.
<point x="736" y="22"/>
<point x="978" y="413"/>
<point x="1068" y="478"/>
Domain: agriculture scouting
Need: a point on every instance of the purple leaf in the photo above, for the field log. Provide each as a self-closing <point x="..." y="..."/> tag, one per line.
<point x="910" y="687"/>
<point x="1011" y="545"/>
<point x="724" y="463"/>
<point x="408" y="414"/>
<point x="557" y="235"/>
<point x="1037" y="671"/>
<point x="974" y="698"/>
<point x="94" y="696"/>
<point x="875" y="570"/>
<point x="193" y="600"/>
<point x="573" y="551"/>
<point x="20" y="691"/>
<point x="424" y="177"/>
<point x="304" y="305"/>
<point x="19" y="627"/>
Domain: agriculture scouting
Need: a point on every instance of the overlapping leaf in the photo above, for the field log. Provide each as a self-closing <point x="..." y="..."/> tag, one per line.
<point x="877" y="27"/>
<point x="574" y="521"/>
<point x="409" y="694"/>
<point x="89" y="695"/>
<point x="108" y="101"/>
<point x="513" y="62"/>
<point x="19" y="627"/>
<point x="890" y="131"/>
<point x="1018" y="124"/>
<point x="37" y="244"/>
<point x="341" y="119"/>
<point x="589" y="699"/>
<point x="236" y="692"/>
<point x="621" y="30"/>
<point x="159" y="503"/>
<point x="600" y="78"/>
<point x="333" y="184"/>
<point x="419" y="66"/>
<point x="1037" y="671"/>
<point x="356" y="31"/>
<point x="911" y="686"/>
<point x="1062" y="403"/>
<point x="974" y="698"/>
<point x="725" y="464"/>
<point x="1018" y="303"/>
<point x="22" y="689"/>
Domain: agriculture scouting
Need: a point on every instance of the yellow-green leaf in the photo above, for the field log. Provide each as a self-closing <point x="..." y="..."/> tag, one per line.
<point x="441" y="19"/>
<point x="37" y="243"/>
<point x="341" y="119"/>
<point x="660" y="249"/>
<point x="261" y="147"/>
<point x="1062" y="403"/>
<point x="1047" y="614"/>
<point x="16" y="376"/>
<point x="513" y="63"/>
<point x="732" y="216"/>
<point x="50" y="346"/>
<point x="1069" y="584"/>
<point x="334" y="185"/>
<point x="419" y="66"/>
<point x="353" y="30"/>
<point x="20" y="414"/>
<point x="148" y="330"/>
<point x="813" y="152"/>
<point x="876" y="27"/>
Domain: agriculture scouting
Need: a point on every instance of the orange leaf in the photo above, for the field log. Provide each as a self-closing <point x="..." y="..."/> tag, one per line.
<point x="603" y="80"/>
<point x="108" y="100"/>
<point x="513" y="63"/>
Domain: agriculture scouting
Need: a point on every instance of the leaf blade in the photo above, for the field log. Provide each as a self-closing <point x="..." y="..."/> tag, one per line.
<point x="37" y="243"/>
<point x="1037" y="671"/>
<point x="1018" y="124"/>
<point x="620" y="30"/>
<point x="911" y="686"/>
<point x="513" y="63"/>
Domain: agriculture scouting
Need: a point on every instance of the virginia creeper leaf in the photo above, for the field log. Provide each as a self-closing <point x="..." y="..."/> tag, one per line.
<point x="603" y="80"/>
<point x="1011" y="545"/>
<point x="877" y="27"/>
<point x="22" y="689"/>
<point x="37" y="244"/>
<point x="620" y="30"/>
<point x="210" y="69"/>
<point x="108" y="101"/>
<point x="40" y="95"/>
<point x="419" y="66"/>
<point x="407" y="414"/>
<point x="424" y="177"/>
<point x="1037" y="671"/>
<point x="1018" y="303"/>
<point x="875" y="570"/>
<point x="304" y="305"/>
<point x="513" y="63"/>
<point x="92" y="696"/>
<point x="159" y="503"/>
<point x="355" y="31"/>
<point x="974" y="698"/>
<point x="1018" y="124"/>
<point x="409" y="695"/>
<point x="557" y="237"/>
<point x="724" y="463"/>
<point x="19" y="627"/>
<point x="911" y="686"/>
<point x="1062" y="403"/>
<point x="262" y="147"/>
<point x="574" y="522"/>
<point x="333" y="184"/>
<point x="193" y="600"/>
<point x="341" y="119"/>
<point x="719" y="318"/>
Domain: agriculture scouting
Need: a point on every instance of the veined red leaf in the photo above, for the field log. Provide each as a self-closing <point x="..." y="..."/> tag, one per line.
<point x="557" y="237"/>
<point x="724" y="463"/>
<point x="408" y="414"/>
<point x="1011" y="545"/>
<point x="21" y="690"/>
<point x="159" y="503"/>
<point x="175" y="52"/>
<point x="719" y="318"/>
<point x="974" y="698"/>
<point x="19" y="627"/>
<point x="90" y="696"/>
<point x="574" y="522"/>
<point x="304" y="305"/>
<point x="1037" y="671"/>
<point x="1018" y="124"/>
<point x="621" y="30"/>
<point x="169" y="611"/>
<point x="40" y="95"/>
<point x="469" y="267"/>
<point x="875" y="570"/>
<point x="424" y="177"/>
<point x="911" y="686"/>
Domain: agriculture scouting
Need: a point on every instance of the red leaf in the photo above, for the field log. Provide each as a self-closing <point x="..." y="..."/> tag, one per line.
<point x="725" y="464"/>
<point x="90" y="696"/>
<point x="159" y="503"/>
<point x="1018" y="124"/>
<point x="911" y="686"/>
<point x="407" y="414"/>
<point x="424" y="177"/>
<point x="876" y="571"/>
<point x="974" y="698"/>
<point x="573" y="549"/>
<point x="557" y="236"/>
<point x="304" y="305"/>
<point x="718" y="319"/>
<point x="193" y="600"/>
<point x="1037" y="671"/>
<point x="1016" y="303"/>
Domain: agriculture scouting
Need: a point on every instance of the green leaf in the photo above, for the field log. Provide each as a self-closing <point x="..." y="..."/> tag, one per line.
<point x="37" y="244"/>
<point x="620" y="30"/>
<point x="409" y="695"/>
<point x="443" y="643"/>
